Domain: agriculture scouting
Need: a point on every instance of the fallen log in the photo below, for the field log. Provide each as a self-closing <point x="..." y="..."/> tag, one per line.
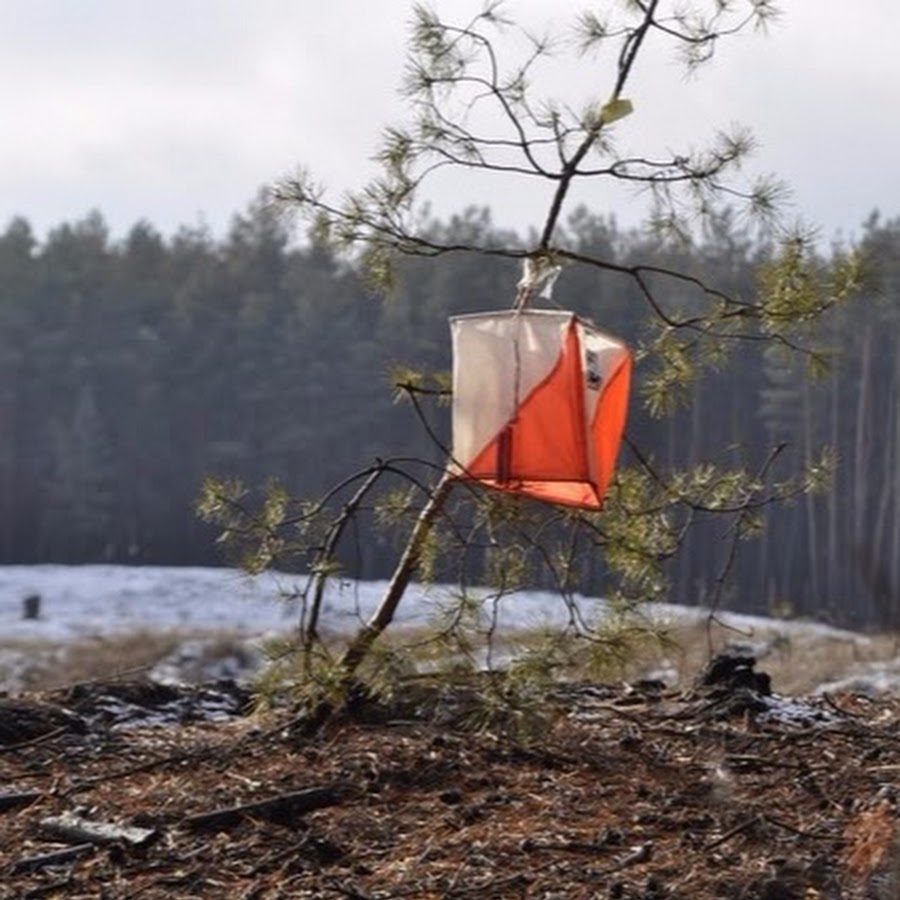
<point x="74" y="829"/>
<point x="55" y="858"/>
<point x="17" y="799"/>
<point x="283" y="808"/>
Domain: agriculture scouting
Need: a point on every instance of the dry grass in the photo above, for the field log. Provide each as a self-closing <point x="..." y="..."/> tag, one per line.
<point x="42" y="665"/>
<point x="797" y="664"/>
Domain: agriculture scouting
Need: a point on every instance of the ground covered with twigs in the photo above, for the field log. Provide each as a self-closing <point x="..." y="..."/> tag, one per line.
<point x="720" y="791"/>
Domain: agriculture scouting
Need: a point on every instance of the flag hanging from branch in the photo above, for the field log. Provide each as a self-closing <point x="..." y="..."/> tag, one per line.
<point x="540" y="399"/>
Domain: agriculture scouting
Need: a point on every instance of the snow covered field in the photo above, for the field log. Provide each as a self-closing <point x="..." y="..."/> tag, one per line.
<point x="80" y="603"/>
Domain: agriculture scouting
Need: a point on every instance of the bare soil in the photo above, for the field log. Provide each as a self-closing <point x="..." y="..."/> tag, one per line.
<point x="601" y="792"/>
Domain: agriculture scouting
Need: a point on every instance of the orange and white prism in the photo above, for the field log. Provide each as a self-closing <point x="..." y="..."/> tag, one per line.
<point x="540" y="399"/>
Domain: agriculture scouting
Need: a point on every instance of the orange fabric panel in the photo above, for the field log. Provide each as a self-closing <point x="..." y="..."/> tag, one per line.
<point x="609" y="423"/>
<point x="568" y="493"/>
<point x="547" y="439"/>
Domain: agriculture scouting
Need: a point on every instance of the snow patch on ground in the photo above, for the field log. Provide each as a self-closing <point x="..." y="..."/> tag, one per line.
<point x="871" y="679"/>
<point x="140" y="704"/>
<point x="208" y="659"/>
<point x="96" y="601"/>
<point x="797" y="712"/>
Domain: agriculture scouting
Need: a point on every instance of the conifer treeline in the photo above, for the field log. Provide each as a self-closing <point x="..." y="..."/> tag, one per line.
<point x="132" y="368"/>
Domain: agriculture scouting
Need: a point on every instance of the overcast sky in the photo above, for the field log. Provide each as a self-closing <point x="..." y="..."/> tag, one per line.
<point x="178" y="112"/>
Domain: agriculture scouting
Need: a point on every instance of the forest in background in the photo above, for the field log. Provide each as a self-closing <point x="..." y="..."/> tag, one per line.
<point x="131" y="369"/>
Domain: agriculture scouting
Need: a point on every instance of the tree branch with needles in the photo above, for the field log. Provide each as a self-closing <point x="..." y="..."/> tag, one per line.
<point x="471" y="113"/>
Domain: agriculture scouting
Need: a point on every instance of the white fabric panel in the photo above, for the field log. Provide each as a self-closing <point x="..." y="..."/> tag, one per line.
<point x="601" y="354"/>
<point x="490" y="377"/>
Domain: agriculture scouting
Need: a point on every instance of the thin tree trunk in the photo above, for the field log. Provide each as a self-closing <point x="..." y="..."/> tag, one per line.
<point x="875" y="561"/>
<point x="384" y="614"/>
<point x="894" y="559"/>
<point x="812" y="574"/>
<point x="859" y="493"/>
<point x="834" y="568"/>
<point x="9" y="403"/>
<point x="859" y="498"/>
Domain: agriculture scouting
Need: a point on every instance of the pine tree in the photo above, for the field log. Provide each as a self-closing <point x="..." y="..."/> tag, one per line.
<point x="476" y="112"/>
<point x="78" y="523"/>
